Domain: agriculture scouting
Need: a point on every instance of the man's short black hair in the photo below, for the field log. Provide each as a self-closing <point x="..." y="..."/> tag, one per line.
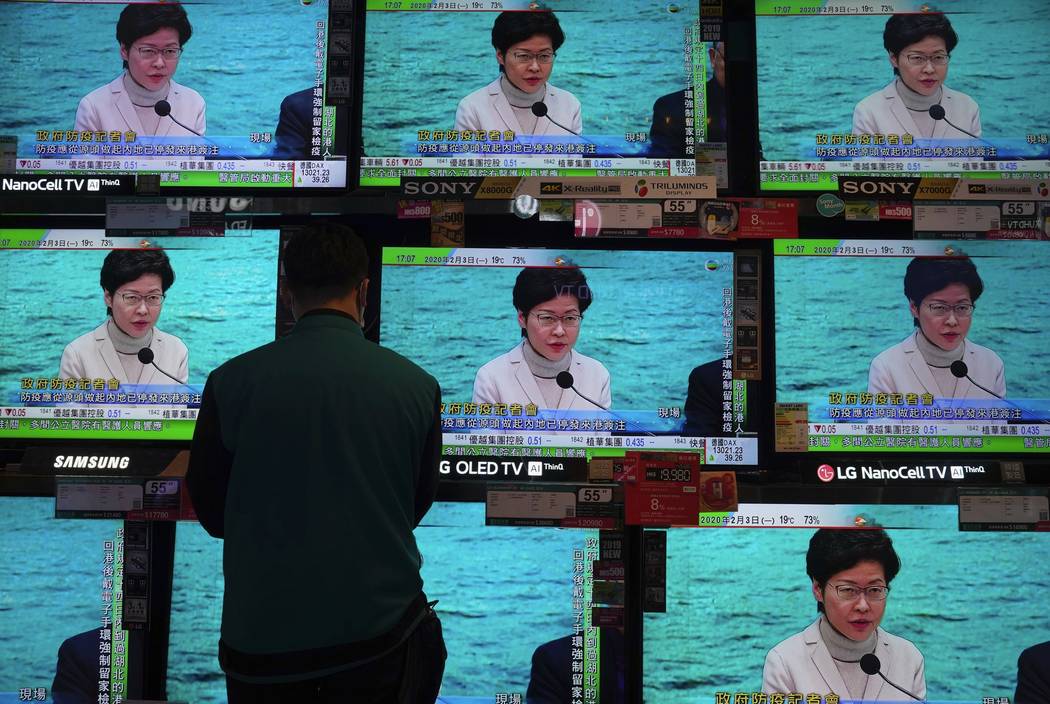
<point x="537" y="284"/>
<point x="143" y="19"/>
<point x="926" y="275"/>
<point x="512" y="28"/>
<point x="122" y="266"/>
<point x="324" y="261"/>
<point x="833" y="550"/>
<point x="903" y="30"/>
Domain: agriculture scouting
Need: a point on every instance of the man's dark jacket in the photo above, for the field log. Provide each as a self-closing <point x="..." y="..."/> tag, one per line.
<point x="1033" y="675"/>
<point x="314" y="457"/>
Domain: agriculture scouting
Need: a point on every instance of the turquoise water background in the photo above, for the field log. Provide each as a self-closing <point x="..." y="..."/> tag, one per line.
<point x="616" y="59"/>
<point x="654" y="317"/>
<point x="222" y="303"/>
<point x="970" y="602"/>
<point x="243" y="58"/>
<point x="854" y="308"/>
<point x="812" y="71"/>
<point x="502" y="592"/>
<point x="51" y="587"/>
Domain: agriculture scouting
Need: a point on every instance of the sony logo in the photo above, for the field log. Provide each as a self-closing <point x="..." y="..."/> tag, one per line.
<point x="91" y="462"/>
<point x="871" y="188"/>
<point x="434" y="188"/>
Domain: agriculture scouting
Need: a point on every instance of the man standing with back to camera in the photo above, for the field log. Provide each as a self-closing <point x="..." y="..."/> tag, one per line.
<point x="314" y="457"/>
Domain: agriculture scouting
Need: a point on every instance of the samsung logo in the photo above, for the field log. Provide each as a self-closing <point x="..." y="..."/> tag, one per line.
<point x="91" y="462"/>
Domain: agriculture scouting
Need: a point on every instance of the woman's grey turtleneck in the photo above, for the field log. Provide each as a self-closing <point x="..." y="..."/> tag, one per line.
<point x="127" y="348"/>
<point x="940" y="362"/>
<point x="521" y="103"/>
<point x="143" y="100"/>
<point x="919" y="107"/>
<point x="545" y="371"/>
<point x="847" y="653"/>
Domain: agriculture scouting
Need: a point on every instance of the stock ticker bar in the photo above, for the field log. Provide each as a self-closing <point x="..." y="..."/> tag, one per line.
<point x="95" y="429"/>
<point x="823" y="175"/>
<point x="378" y="171"/>
<point x="837" y="7"/>
<point x="720" y="451"/>
<point x="99" y="409"/>
<point x="909" y="443"/>
<point x="200" y="172"/>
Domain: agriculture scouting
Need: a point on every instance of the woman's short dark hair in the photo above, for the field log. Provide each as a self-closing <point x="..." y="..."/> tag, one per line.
<point x="512" y="28"/>
<point x="903" y="30"/>
<point x="122" y="266"/>
<point x="833" y="550"/>
<point x="537" y="284"/>
<point x="324" y="261"/>
<point x="143" y="19"/>
<point x="925" y="275"/>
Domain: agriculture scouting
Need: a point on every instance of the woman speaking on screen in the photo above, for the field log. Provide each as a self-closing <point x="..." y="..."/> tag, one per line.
<point x="127" y="346"/>
<point x="916" y="101"/>
<point x="521" y="100"/>
<point x="844" y="651"/>
<point x="144" y="99"/>
<point x="544" y="369"/>
<point x="937" y="358"/>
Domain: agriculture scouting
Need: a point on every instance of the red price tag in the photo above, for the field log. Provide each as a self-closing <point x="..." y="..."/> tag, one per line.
<point x="768" y="217"/>
<point x="661" y="489"/>
<point x="895" y="211"/>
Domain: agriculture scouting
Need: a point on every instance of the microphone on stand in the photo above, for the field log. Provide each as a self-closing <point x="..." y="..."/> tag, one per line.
<point x="871" y="666"/>
<point x="539" y="109"/>
<point x="145" y="356"/>
<point x="565" y="381"/>
<point x="163" y="108"/>
<point x="961" y="371"/>
<point x="936" y="111"/>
